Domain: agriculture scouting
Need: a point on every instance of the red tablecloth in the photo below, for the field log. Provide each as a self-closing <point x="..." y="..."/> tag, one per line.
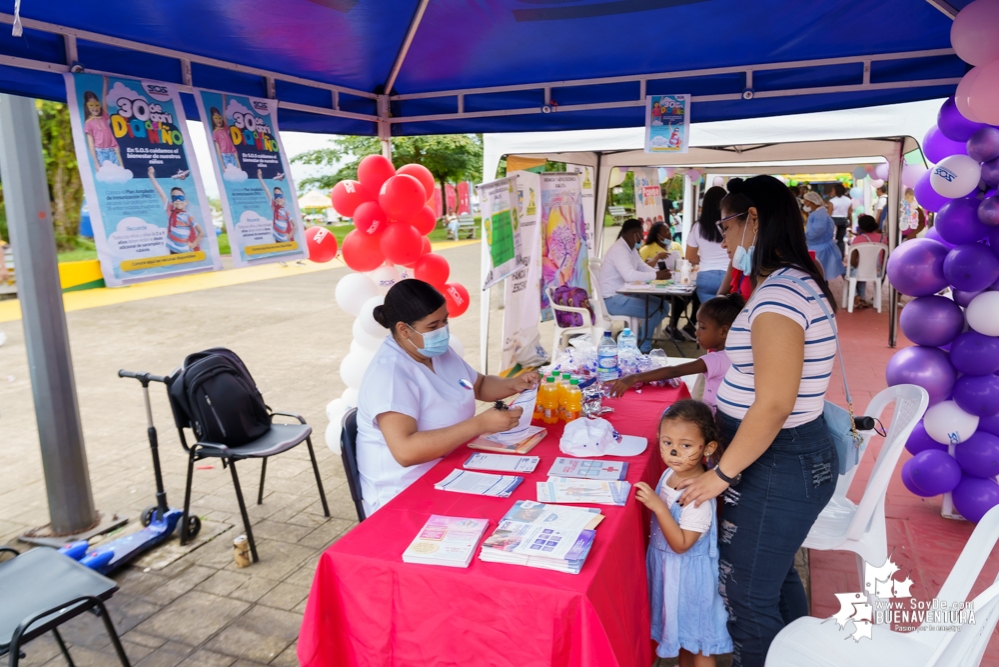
<point x="367" y="607"/>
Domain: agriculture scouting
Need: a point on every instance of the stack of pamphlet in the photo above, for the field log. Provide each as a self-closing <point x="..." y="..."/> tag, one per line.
<point x="589" y="469"/>
<point x="570" y="490"/>
<point x="446" y="540"/>
<point x="479" y="483"/>
<point x="552" y="537"/>
<point x="502" y="462"/>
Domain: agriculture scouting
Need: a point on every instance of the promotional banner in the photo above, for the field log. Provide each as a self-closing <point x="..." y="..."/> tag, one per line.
<point x="148" y="208"/>
<point x="438" y="202"/>
<point x="464" y="198"/>
<point x="648" y="196"/>
<point x="589" y="200"/>
<point x="500" y="224"/>
<point x="667" y="123"/>
<point x="450" y="198"/>
<point x="258" y="198"/>
<point x="564" y="240"/>
<point x="521" y="303"/>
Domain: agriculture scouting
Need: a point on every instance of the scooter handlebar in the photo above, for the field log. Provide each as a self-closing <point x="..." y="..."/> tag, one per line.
<point x="141" y="377"/>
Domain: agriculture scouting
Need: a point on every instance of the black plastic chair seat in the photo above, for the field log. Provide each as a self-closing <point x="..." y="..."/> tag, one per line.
<point x="44" y="579"/>
<point x="280" y="438"/>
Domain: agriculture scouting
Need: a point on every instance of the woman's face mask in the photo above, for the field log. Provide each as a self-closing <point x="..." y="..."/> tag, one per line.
<point x="743" y="258"/>
<point x="435" y="343"/>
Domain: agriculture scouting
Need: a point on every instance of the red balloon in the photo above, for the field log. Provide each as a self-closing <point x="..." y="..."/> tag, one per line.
<point x="423" y="251"/>
<point x="347" y="196"/>
<point x="402" y="197"/>
<point x="424" y="221"/>
<point x="457" y="299"/>
<point x="370" y="219"/>
<point x="373" y="171"/>
<point x="321" y="243"/>
<point x="401" y="244"/>
<point x="420" y="173"/>
<point x="362" y="252"/>
<point x="432" y="269"/>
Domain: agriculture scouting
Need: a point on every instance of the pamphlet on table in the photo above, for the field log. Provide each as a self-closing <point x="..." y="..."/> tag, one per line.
<point x="545" y="536"/>
<point x="570" y="490"/>
<point x="479" y="483"/>
<point x="565" y="466"/>
<point x="446" y="540"/>
<point x="502" y="462"/>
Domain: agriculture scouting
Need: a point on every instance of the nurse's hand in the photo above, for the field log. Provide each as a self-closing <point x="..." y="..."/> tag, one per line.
<point x="525" y="382"/>
<point x="496" y="421"/>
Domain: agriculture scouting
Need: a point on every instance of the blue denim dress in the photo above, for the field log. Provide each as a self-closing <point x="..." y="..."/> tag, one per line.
<point x="687" y="611"/>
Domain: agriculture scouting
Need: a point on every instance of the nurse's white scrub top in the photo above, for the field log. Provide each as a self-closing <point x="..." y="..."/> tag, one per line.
<point x="395" y="382"/>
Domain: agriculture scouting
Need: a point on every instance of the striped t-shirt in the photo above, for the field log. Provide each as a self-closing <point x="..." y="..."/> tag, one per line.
<point x="786" y="298"/>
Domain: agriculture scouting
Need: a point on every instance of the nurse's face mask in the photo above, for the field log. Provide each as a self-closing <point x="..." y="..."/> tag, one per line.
<point x="435" y="343"/>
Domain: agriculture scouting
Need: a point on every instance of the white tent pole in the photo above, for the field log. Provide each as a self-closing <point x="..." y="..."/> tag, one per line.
<point x="484" y="304"/>
<point x="688" y="206"/>
<point x="894" y="200"/>
<point x="602" y="177"/>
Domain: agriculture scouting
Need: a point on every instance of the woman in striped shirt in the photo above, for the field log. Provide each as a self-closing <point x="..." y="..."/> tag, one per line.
<point x="779" y="468"/>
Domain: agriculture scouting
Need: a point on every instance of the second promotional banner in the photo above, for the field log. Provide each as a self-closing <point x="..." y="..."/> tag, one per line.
<point x="258" y="198"/>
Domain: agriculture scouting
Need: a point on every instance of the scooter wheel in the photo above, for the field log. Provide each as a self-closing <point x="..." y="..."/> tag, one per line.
<point x="193" y="527"/>
<point x="147" y="515"/>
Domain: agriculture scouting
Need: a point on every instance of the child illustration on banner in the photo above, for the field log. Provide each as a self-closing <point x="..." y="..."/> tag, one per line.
<point x="564" y="255"/>
<point x="283" y="224"/>
<point x="184" y="234"/>
<point x="223" y="141"/>
<point x="101" y="143"/>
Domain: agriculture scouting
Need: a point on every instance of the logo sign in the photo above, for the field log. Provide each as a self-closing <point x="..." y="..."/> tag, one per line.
<point x="945" y="173"/>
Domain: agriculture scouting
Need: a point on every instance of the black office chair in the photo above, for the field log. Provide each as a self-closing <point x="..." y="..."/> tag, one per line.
<point x="42" y="589"/>
<point x="280" y="438"/>
<point x="348" y="453"/>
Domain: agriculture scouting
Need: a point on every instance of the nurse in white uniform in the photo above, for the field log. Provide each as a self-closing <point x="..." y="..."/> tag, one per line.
<point x="417" y="399"/>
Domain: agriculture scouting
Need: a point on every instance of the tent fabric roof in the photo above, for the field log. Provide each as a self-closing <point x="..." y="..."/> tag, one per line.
<point x="461" y="66"/>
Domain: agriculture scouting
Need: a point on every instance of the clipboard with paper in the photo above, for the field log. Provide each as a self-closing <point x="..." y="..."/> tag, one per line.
<point x="519" y="439"/>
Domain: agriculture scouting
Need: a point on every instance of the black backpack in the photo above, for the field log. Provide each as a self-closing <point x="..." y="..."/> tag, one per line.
<point x="215" y="393"/>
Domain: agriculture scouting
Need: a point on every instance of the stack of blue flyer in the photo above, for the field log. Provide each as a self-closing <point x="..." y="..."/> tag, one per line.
<point x="551" y="537"/>
<point x="565" y="466"/>
<point x="570" y="490"/>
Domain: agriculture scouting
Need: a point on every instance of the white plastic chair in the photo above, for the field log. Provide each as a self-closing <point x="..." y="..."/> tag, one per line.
<point x="562" y="335"/>
<point x="814" y="642"/>
<point x="844" y="526"/>
<point x="869" y="270"/>
<point x="605" y="319"/>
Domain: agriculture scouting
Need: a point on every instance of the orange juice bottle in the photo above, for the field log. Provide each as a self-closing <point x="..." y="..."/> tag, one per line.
<point x="573" y="401"/>
<point x="563" y="386"/>
<point x="548" y="397"/>
<point x="539" y="410"/>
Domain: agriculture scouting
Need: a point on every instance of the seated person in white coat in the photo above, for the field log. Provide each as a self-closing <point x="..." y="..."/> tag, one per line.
<point x="622" y="264"/>
<point x="417" y="399"/>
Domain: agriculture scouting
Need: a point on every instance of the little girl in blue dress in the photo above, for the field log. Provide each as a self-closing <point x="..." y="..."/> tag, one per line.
<point x="688" y="615"/>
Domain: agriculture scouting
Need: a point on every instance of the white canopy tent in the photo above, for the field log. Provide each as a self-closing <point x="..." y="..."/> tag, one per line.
<point x="786" y="144"/>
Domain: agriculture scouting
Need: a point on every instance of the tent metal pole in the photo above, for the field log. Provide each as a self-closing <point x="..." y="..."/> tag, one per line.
<point x="894" y="200"/>
<point x="29" y="217"/>
<point x="945" y="8"/>
<point x="688" y="206"/>
<point x="400" y="57"/>
<point x="599" y="206"/>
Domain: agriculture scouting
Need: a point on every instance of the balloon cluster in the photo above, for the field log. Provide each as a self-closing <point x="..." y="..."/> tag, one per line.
<point x="389" y="243"/>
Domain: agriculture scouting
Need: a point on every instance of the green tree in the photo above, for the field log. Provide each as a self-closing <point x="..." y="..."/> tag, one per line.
<point x="449" y="157"/>
<point x="65" y="188"/>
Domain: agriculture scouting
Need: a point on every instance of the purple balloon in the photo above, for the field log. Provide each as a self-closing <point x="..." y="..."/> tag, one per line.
<point x="974" y="497"/>
<point x="978" y="456"/>
<point x="933" y="472"/>
<point x="932" y="320"/>
<point x="927" y="197"/>
<point x="973" y="353"/>
<point x="927" y="367"/>
<point x="936" y="145"/>
<point x="934" y="235"/>
<point x="916" y="267"/>
<point x="988" y="211"/>
<point x="958" y="222"/>
<point x="907" y="479"/>
<point x="963" y="298"/>
<point x="989" y="424"/>
<point x="919" y="441"/>
<point x="990" y="172"/>
<point x="971" y="267"/>
<point x="984" y="144"/>
<point x="977" y="395"/>
<point x="953" y="124"/>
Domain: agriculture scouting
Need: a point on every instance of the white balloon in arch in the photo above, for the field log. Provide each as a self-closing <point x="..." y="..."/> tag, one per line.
<point x="365" y="340"/>
<point x="983" y="313"/>
<point x="353" y="290"/>
<point x="956" y="176"/>
<point x="948" y="424"/>
<point x="367" y="320"/>
<point x="335" y="411"/>
<point x="352" y="369"/>
<point x="349" y="397"/>
<point x="384" y="277"/>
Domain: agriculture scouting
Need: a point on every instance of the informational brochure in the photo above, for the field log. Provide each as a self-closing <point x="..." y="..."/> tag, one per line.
<point x="546" y="536"/>
<point x="571" y="490"/>
<point x="502" y="462"/>
<point x="446" y="540"/>
<point x="589" y="469"/>
<point x="147" y="205"/>
<point x="523" y="429"/>
<point x="480" y="484"/>
<point x="667" y="123"/>
<point x="259" y="201"/>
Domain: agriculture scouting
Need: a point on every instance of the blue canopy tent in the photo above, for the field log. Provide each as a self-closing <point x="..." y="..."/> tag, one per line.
<point x="408" y="67"/>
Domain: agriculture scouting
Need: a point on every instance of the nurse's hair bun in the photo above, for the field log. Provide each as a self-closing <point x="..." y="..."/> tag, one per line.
<point x="408" y="301"/>
<point x="379" y="314"/>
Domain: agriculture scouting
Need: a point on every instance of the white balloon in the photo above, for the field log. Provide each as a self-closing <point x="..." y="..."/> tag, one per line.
<point x="384" y="277"/>
<point x="349" y="397"/>
<point x="353" y="290"/>
<point x="718" y="180"/>
<point x="333" y="431"/>
<point x="983" y="313"/>
<point x="876" y="182"/>
<point x="911" y="174"/>
<point x="365" y="341"/>
<point x="948" y="424"/>
<point x="456" y="345"/>
<point x="881" y="171"/>
<point x="956" y="176"/>
<point x="404" y="273"/>
<point x="367" y="320"/>
<point x="335" y="409"/>
<point x="352" y="369"/>
<point x="355" y="346"/>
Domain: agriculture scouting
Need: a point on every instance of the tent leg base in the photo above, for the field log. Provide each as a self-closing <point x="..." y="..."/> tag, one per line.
<point x="43" y="535"/>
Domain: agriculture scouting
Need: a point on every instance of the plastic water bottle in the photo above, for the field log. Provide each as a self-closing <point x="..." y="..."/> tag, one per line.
<point x="607" y="359"/>
<point x="627" y="341"/>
